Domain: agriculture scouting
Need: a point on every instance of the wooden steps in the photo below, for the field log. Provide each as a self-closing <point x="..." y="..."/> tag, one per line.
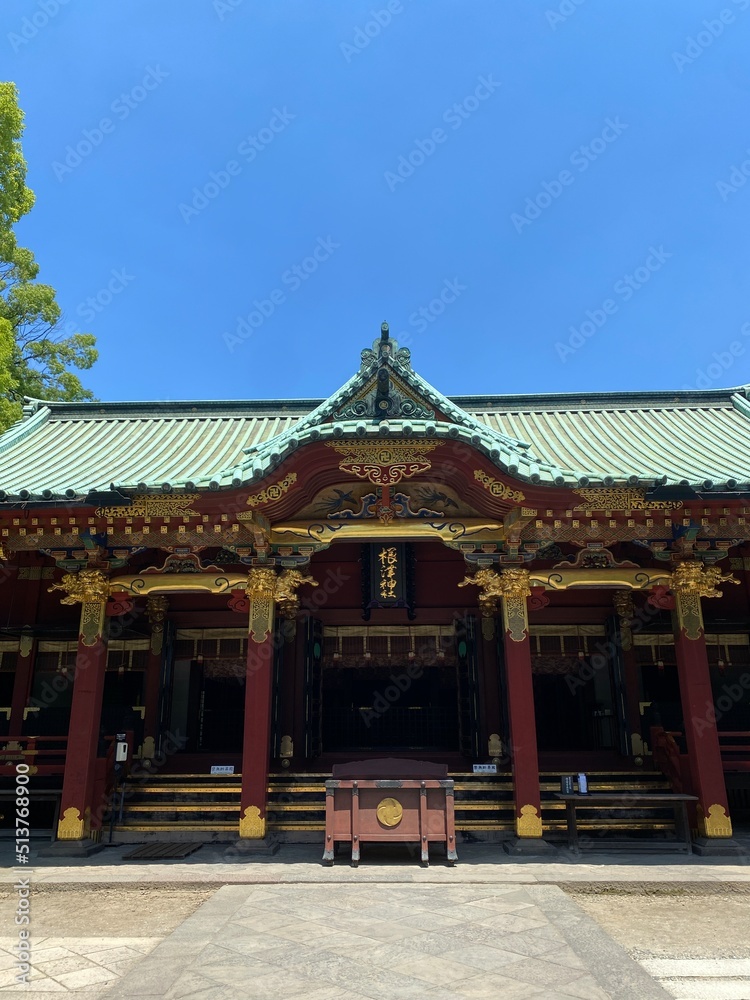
<point x="296" y="803"/>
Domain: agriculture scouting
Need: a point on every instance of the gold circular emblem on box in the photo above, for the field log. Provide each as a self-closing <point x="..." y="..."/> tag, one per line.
<point x="390" y="812"/>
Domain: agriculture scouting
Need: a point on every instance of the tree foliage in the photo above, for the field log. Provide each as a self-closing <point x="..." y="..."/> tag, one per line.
<point x="35" y="356"/>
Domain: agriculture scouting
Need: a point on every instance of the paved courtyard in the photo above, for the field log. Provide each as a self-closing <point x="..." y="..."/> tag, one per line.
<point x="612" y="927"/>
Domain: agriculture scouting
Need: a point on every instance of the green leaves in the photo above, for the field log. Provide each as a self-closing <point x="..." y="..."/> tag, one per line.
<point x="35" y="359"/>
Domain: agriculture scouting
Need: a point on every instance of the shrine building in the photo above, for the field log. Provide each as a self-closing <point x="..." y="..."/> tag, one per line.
<point x="520" y="587"/>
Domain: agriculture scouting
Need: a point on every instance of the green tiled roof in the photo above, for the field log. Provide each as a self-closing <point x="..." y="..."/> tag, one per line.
<point x="700" y="438"/>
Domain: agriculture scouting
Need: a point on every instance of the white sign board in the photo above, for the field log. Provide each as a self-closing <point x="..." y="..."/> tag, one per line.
<point x="484" y="768"/>
<point x="222" y="769"/>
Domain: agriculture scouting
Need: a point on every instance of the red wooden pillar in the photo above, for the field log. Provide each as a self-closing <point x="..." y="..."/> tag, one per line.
<point x="625" y="609"/>
<point x="90" y="588"/>
<point x="157" y="606"/>
<point x="28" y="585"/>
<point x="491" y="719"/>
<point x="520" y="694"/>
<point x="691" y="581"/>
<point x="256" y="742"/>
<point x="288" y="634"/>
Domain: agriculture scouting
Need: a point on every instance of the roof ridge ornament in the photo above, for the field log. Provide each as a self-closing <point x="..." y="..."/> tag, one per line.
<point x="386" y="351"/>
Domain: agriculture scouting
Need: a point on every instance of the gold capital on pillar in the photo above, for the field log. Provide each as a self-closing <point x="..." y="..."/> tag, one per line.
<point x="260" y="589"/>
<point x="265" y="589"/>
<point x="689" y="582"/>
<point x="157" y="606"/>
<point x="715" y="824"/>
<point x="511" y="586"/>
<point x="90" y="589"/>
<point x="515" y="591"/>
<point x="625" y="609"/>
<point x="252" y="825"/>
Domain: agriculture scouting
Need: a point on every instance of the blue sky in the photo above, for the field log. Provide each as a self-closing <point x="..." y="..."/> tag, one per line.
<point x="538" y="196"/>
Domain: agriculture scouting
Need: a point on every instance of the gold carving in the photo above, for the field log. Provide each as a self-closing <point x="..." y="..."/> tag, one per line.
<point x="3" y="554"/>
<point x="621" y="498"/>
<point x="157" y="606"/>
<point x="494" y="745"/>
<point x="689" y="582"/>
<point x="154" y="505"/>
<point x="286" y="749"/>
<point x="251" y="824"/>
<point x="385" y="463"/>
<point x="70" y="826"/>
<point x="388" y="558"/>
<point x="148" y="748"/>
<point x="716" y="824"/>
<point x="390" y="812"/>
<point x="273" y="492"/>
<point x="490" y="587"/>
<point x="90" y="588"/>
<point x="529" y="823"/>
<point x="25" y="644"/>
<point x="498" y="489"/>
<point x="285" y="593"/>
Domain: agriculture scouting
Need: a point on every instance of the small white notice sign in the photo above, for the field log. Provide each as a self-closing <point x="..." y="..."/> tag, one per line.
<point x="222" y="769"/>
<point x="484" y="768"/>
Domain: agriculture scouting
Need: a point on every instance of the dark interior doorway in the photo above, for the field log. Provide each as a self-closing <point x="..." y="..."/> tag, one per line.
<point x="404" y="706"/>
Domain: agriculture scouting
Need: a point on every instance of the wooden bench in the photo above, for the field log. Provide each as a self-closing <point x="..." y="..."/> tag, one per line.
<point x="630" y="800"/>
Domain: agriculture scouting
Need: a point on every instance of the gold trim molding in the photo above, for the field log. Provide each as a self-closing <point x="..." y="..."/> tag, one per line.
<point x="155" y="505"/>
<point x="497" y="488"/>
<point x="272" y="493"/>
<point x="621" y="498"/>
<point x="385" y="463"/>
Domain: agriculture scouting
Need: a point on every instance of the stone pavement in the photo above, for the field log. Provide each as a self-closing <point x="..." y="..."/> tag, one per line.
<point x="285" y="927"/>
<point x="344" y="942"/>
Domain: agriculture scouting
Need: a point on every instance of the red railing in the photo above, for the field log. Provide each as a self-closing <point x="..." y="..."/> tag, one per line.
<point x="43" y="754"/>
<point x="735" y="751"/>
<point x="667" y="757"/>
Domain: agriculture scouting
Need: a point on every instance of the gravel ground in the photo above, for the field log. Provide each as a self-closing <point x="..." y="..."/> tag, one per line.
<point x="672" y="922"/>
<point x="127" y="911"/>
